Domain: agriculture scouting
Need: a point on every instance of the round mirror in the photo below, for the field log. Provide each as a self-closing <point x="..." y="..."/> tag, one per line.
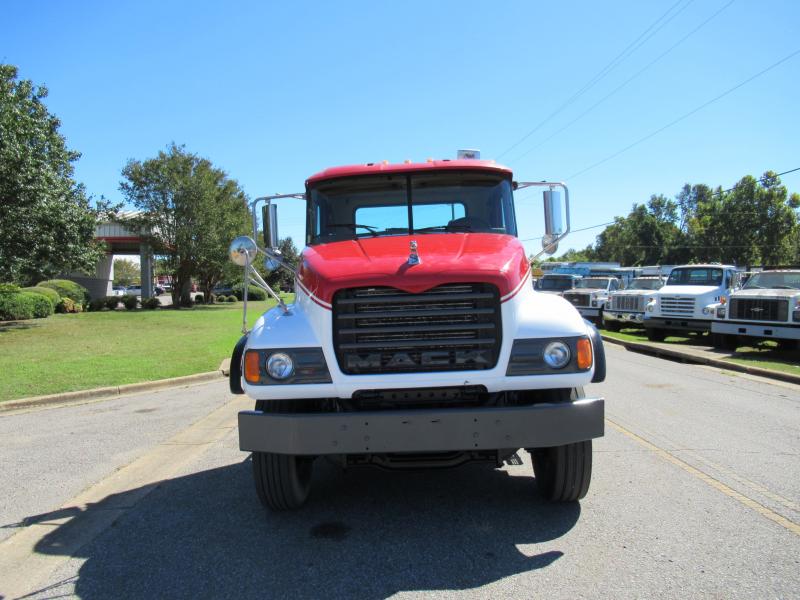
<point x="270" y="264"/>
<point x="549" y="243"/>
<point x="243" y="251"/>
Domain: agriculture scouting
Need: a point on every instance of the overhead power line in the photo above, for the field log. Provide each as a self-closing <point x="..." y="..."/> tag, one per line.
<point x="717" y="193"/>
<point x="622" y="85"/>
<point x="686" y="115"/>
<point x="629" y="50"/>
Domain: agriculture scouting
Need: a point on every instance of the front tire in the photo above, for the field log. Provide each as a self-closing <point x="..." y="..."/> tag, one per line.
<point x="612" y="325"/>
<point x="283" y="481"/>
<point x="563" y="473"/>
<point x="656" y="335"/>
<point x="724" y="341"/>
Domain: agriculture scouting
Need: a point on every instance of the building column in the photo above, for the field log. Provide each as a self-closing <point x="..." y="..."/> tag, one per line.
<point x="146" y="262"/>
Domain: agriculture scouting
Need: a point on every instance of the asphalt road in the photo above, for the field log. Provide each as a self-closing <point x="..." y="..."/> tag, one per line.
<point x="695" y="493"/>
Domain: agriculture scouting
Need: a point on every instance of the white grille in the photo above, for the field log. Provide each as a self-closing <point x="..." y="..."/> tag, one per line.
<point x="677" y="306"/>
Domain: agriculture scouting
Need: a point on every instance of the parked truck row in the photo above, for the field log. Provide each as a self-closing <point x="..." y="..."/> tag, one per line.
<point x="734" y="307"/>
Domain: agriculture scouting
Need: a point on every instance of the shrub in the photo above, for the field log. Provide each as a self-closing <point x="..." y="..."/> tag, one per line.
<point x="130" y="301"/>
<point x="97" y="304"/>
<point x="55" y="299"/>
<point x="16" y="307"/>
<point x="8" y="288"/>
<point x="42" y="307"/>
<point x="111" y="302"/>
<point x="68" y="306"/>
<point x="253" y="292"/>
<point x="68" y="289"/>
<point x="199" y="299"/>
<point x="151" y="303"/>
<point x="231" y="299"/>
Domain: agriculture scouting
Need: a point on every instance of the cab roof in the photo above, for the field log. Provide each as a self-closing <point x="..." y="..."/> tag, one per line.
<point x="386" y="168"/>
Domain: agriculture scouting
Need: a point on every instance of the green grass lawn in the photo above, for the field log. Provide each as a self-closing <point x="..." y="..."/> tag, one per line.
<point x="765" y="355"/>
<point x="82" y="351"/>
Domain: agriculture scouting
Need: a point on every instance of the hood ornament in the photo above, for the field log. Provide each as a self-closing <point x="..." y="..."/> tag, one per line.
<point x="413" y="258"/>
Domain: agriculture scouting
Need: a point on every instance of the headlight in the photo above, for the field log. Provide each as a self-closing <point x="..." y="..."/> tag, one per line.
<point x="796" y="315"/>
<point x="280" y="366"/>
<point x="721" y="312"/>
<point x="594" y="303"/>
<point x="556" y="355"/>
<point x="706" y="310"/>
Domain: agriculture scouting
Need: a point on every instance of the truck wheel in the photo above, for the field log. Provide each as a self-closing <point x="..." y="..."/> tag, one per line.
<point x="725" y="341"/>
<point x="612" y="325"/>
<point x="656" y="335"/>
<point x="283" y="481"/>
<point x="563" y="473"/>
<point x="788" y="344"/>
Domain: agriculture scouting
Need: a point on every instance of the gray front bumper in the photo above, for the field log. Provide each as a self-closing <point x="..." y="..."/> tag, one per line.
<point x="677" y="324"/>
<point x="435" y="430"/>
<point x="623" y="317"/>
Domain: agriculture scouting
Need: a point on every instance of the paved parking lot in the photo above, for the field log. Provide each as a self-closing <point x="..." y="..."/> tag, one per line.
<point x="695" y="493"/>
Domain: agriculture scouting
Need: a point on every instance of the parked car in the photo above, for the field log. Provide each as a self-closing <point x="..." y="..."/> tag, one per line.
<point x="134" y="290"/>
<point x="158" y="290"/>
<point x="118" y="290"/>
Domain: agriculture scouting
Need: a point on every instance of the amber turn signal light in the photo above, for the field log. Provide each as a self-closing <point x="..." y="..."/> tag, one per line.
<point x="584" y="353"/>
<point x="252" y="373"/>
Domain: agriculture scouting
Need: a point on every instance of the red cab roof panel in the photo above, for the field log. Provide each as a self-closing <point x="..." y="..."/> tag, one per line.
<point x="433" y="165"/>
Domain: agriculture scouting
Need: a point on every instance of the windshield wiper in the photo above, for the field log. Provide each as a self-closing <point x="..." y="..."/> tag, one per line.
<point x="354" y="226"/>
<point x="444" y="228"/>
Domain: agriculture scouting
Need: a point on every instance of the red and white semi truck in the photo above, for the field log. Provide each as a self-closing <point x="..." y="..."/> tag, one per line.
<point x="415" y="339"/>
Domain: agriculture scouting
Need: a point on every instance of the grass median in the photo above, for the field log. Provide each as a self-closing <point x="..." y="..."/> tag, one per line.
<point x="765" y="354"/>
<point x="65" y="353"/>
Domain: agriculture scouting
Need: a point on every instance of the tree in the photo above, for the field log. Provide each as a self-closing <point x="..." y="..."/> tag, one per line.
<point x="47" y="225"/>
<point x="190" y="211"/>
<point x="754" y="223"/>
<point x="126" y="272"/>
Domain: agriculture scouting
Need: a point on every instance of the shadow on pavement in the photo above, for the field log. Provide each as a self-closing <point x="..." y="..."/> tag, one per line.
<point x="365" y="533"/>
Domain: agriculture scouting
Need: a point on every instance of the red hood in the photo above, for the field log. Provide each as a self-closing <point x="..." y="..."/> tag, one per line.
<point x="383" y="261"/>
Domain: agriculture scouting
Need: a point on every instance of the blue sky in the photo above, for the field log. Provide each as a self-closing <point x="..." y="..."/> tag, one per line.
<point x="274" y="92"/>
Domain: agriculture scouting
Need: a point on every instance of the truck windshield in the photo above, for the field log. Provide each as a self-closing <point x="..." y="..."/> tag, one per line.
<point x="774" y="281"/>
<point x="592" y="282"/>
<point x="646" y="284"/>
<point x="555" y="284"/>
<point x="695" y="276"/>
<point x="403" y="204"/>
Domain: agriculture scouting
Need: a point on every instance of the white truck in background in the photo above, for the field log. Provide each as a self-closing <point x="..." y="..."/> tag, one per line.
<point x="626" y="307"/>
<point x="590" y="296"/>
<point x="766" y="308"/>
<point x="687" y="303"/>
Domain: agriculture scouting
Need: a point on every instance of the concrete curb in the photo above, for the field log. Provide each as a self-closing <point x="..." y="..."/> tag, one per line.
<point x="699" y="358"/>
<point x="105" y="393"/>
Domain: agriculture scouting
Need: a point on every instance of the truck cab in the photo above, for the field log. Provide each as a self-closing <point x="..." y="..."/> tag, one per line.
<point x="626" y="307"/>
<point x="590" y="295"/>
<point x="767" y="307"/>
<point x="688" y="300"/>
<point x="415" y="338"/>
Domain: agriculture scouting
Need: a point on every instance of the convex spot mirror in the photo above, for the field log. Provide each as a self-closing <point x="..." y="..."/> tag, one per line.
<point x="243" y="251"/>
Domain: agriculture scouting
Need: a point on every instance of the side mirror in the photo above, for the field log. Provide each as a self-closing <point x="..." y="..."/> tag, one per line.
<point x="243" y="251"/>
<point x="269" y="218"/>
<point x="549" y="243"/>
<point x="553" y="225"/>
